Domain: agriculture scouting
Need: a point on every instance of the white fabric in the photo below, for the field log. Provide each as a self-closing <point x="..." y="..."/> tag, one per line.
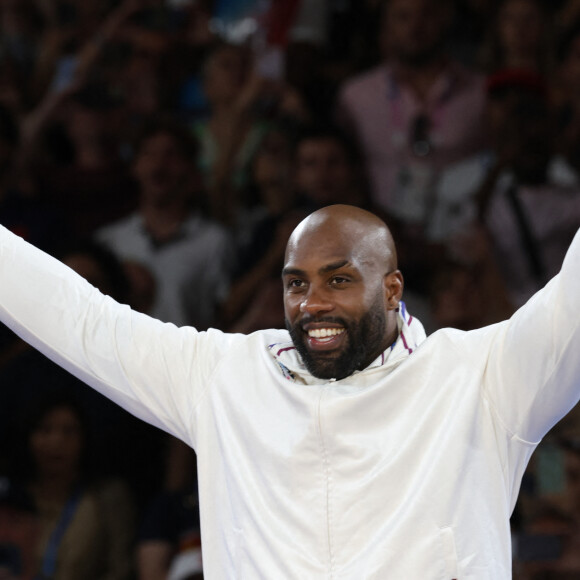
<point x="408" y="469"/>
<point x="192" y="271"/>
<point x="185" y="564"/>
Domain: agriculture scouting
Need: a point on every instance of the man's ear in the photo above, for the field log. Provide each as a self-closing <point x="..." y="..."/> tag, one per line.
<point x="393" y="284"/>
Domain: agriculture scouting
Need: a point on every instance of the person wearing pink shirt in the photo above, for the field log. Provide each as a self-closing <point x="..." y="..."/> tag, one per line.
<point x="416" y="113"/>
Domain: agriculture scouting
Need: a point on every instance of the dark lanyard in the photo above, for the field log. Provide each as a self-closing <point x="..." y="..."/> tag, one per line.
<point x="50" y="555"/>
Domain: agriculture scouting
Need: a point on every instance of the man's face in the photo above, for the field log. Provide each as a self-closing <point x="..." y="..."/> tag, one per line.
<point x="336" y="303"/>
<point x="162" y="170"/>
<point x="323" y="171"/>
<point x="414" y="30"/>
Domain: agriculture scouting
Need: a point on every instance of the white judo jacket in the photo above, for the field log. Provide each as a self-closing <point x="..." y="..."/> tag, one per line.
<point x="407" y="470"/>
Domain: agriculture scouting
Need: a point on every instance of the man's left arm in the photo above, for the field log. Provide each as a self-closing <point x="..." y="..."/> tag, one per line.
<point x="533" y="373"/>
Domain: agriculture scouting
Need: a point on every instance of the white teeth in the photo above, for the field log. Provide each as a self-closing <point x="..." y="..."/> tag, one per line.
<point x="324" y="332"/>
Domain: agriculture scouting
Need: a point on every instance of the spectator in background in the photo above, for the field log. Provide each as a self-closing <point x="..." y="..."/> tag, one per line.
<point x="183" y="61"/>
<point x="519" y="37"/>
<point x="308" y="81"/>
<point x="20" y="31"/>
<point x="188" y="254"/>
<point x="414" y="114"/>
<point x="531" y="218"/>
<point x="141" y="79"/>
<point x="242" y="106"/>
<point x="515" y="188"/>
<point x="548" y="540"/>
<point x="19" y="530"/>
<point x="94" y="186"/>
<point x="328" y="168"/>
<point x="269" y="193"/>
<point x="467" y="290"/>
<point x="24" y="215"/>
<point x="567" y="99"/>
<point x="73" y="41"/>
<point x="169" y="541"/>
<point x="86" y="524"/>
<point x="231" y="135"/>
<point x="271" y="214"/>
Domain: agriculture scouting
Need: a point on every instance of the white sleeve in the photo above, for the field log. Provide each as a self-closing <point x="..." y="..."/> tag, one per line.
<point x="533" y="372"/>
<point x="142" y="364"/>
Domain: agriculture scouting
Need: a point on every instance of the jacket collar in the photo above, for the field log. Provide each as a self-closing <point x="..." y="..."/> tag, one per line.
<point x="411" y="334"/>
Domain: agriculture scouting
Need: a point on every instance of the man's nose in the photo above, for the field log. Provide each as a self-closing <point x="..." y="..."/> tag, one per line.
<point x="316" y="301"/>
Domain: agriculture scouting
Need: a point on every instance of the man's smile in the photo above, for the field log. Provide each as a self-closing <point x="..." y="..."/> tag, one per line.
<point x="325" y="337"/>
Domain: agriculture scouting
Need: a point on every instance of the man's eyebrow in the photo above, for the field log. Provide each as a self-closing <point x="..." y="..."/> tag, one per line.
<point x="293" y="272"/>
<point x="323" y="270"/>
<point x="333" y="266"/>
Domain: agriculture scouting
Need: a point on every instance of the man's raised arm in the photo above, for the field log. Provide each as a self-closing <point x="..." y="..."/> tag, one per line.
<point x="142" y="364"/>
<point x="533" y="372"/>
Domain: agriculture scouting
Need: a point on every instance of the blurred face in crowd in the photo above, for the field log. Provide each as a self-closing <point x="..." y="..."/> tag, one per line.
<point x="57" y="442"/>
<point x="323" y="171"/>
<point x="520" y="28"/>
<point x="226" y="72"/>
<point x="520" y="131"/>
<point x="414" y="31"/>
<point x="341" y="289"/>
<point x="163" y="171"/>
<point x="88" y="127"/>
<point x="271" y="171"/>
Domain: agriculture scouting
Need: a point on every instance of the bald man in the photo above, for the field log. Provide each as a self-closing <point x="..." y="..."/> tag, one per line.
<point x="341" y="299"/>
<point x="348" y="446"/>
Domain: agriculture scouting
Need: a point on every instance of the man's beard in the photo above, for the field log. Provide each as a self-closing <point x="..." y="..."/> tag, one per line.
<point x="365" y="340"/>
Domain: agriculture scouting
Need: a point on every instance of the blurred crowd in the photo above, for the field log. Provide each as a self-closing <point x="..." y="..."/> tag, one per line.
<point x="165" y="149"/>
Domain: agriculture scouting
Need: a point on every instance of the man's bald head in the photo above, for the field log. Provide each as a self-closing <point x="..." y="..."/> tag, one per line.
<point x="341" y="290"/>
<point x="367" y="234"/>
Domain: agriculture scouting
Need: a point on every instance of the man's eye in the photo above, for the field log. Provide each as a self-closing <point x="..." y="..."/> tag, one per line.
<point x="339" y="280"/>
<point x="295" y="283"/>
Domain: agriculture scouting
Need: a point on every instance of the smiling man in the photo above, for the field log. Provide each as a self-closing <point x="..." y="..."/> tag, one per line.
<point x="341" y="299"/>
<point x="349" y="447"/>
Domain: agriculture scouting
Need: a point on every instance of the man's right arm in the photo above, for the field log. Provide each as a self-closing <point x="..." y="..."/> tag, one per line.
<point x="142" y="364"/>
